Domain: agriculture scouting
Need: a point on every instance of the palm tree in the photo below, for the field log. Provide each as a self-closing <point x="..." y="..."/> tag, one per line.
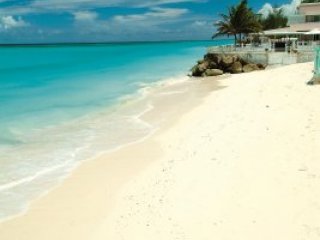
<point x="227" y="25"/>
<point x="239" y="20"/>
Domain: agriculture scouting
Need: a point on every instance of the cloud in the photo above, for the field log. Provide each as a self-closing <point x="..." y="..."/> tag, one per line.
<point x="71" y="5"/>
<point x="288" y="9"/>
<point x="199" y="23"/>
<point x="157" y="14"/>
<point x="8" y="22"/>
<point x="266" y="10"/>
<point x="85" y="16"/>
<point x="145" y="19"/>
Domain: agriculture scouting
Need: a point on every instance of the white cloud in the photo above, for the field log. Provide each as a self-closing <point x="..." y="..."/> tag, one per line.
<point x="156" y="14"/>
<point x="199" y="23"/>
<point x="8" y="22"/>
<point x="85" y="16"/>
<point x="156" y="20"/>
<point x="53" y="5"/>
<point x="288" y="9"/>
<point x="266" y="10"/>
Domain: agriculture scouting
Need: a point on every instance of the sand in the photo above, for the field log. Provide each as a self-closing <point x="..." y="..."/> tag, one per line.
<point x="242" y="163"/>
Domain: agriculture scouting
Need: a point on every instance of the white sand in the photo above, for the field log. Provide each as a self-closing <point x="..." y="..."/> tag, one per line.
<point x="245" y="164"/>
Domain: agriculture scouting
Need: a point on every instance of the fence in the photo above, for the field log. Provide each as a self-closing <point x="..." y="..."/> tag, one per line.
<point x="260" y="55"/>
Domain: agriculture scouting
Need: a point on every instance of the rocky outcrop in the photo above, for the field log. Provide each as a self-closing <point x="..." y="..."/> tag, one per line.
<point x="214" y="64"/>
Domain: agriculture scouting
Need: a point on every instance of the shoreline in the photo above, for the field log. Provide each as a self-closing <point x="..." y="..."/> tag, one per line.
<point x="141" y="99"/>
<point x="133" y="193"/>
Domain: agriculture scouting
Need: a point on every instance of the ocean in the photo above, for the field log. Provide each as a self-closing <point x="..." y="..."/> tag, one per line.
<point x="59" y="105"/>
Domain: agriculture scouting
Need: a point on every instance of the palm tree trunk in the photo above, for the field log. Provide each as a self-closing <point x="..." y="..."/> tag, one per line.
<point x="235" y="40"/>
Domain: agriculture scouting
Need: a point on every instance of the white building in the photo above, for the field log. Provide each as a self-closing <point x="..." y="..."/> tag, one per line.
<point x="305" y="23"/>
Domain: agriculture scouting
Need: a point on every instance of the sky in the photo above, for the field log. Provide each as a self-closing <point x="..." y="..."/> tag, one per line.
<point x="46" y="21"/>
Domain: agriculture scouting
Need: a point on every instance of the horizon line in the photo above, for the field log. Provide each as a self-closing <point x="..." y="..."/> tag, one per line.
<point x="101" y="42"/>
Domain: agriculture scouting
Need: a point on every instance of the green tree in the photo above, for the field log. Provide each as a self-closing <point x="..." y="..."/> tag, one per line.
<point x="239" y="20"/>
<point x="274" y="20"/>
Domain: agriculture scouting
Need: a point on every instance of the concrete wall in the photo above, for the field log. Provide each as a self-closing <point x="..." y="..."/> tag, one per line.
<point x="309" y="9"/>
<point x="271" y="58"/>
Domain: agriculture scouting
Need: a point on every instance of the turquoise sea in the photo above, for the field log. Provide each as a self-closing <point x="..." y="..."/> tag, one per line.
<point x="57" y="104"/>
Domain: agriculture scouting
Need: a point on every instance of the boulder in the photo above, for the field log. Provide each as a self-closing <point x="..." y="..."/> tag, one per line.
<point x="213" y="57"/>
<point x="227" y="61"/>
<point x="199" y="69"/>
<point x="250" y="67"/>
<point x="203" y="66"/>
<point x="236" y="58"/>
<point x="261" y="66"/>
<point x="243" y="61"/>
<point x="236" y="67"/>
<point x="212" y="65"/>
<point x="213" y="72"/>
<point x="195" y="71"/>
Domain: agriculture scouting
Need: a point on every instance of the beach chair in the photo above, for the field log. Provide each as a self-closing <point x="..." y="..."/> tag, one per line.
<point x="316" y="71"/>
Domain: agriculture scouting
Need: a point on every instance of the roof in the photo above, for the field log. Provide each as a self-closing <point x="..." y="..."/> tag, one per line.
<point x="294" y="29"/>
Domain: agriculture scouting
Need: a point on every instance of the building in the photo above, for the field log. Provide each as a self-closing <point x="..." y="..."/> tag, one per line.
<point x="305" y="24"/>
<point x="293" y="44"/>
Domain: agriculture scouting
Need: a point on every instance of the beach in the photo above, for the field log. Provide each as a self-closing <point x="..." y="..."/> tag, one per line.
<point x="232" y="158"/>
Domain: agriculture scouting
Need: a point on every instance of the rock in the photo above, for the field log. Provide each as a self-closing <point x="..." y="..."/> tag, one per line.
<point x="261" y="66"/>
<point x="250" y="67"/>
<point x="212" y="65"/>
<point x="235" y="58"/>
<point x="203" y="66"/>
<point x="227" y="61"/>
<point x="199" y="69"/>
<point x="213" y="57"/>
<point x="243" y="62"/>
<point x="236" y="67"/>
<point x="196" y="72"/>
<point x="213" y="72"/>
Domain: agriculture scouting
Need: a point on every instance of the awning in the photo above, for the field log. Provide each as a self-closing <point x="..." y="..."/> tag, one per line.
<point x="315" y="31"/>
<point x="274" y="33"/>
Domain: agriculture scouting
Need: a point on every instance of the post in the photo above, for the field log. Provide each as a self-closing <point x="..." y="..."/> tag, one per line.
<point x="316" y="71"/>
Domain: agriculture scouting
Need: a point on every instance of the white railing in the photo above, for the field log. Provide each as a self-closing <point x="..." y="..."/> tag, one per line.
<point x="240" y="48"/>
<point x="307" y="45"/>
<point x="299" y="46"/>
<point x="303" y="52"/>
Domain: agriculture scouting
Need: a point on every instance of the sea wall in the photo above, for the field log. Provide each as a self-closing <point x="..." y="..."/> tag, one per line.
<point x="267" y="57"/>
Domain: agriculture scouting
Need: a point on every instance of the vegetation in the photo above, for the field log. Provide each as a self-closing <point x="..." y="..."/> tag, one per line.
<point x="310" y="1"/>
<point x="274" y="20"/>
<point x="240" y="20"/>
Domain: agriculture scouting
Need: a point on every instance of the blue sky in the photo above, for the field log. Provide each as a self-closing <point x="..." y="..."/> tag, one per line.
<point x="28" y="21"/>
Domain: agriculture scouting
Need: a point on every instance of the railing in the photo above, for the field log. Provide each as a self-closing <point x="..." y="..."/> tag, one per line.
<point x="307" y="45"/>
<point x="299" y="46"/>
<point x="267" y="54"/>
<point x="240" y="48"/>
